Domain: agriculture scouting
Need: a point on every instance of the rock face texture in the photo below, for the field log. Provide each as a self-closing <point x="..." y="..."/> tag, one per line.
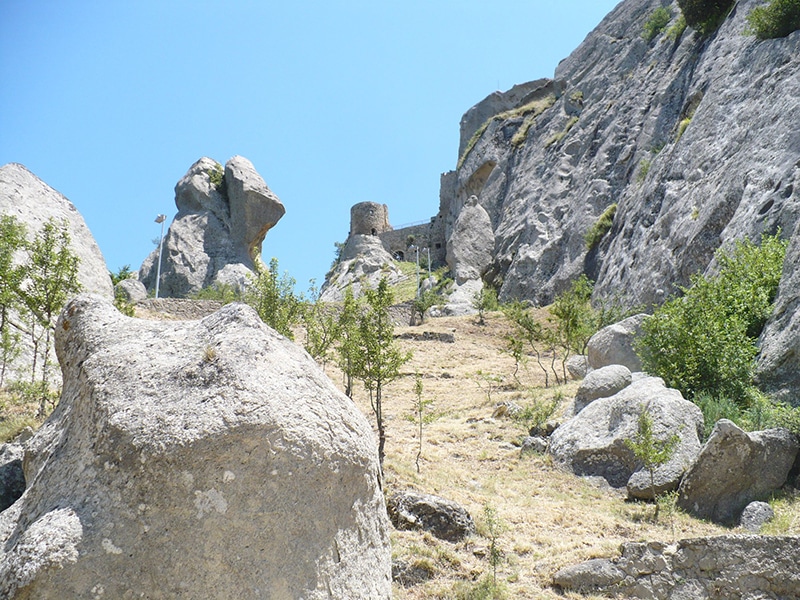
<point x="221" y="223"/>
<point x="194" y="459"/>
<point x="12" y="479"/>
<point x="693" y="138"/>
<point x="33" y="202"/>
<point x="593" y="442"/>
<point x="734" y="468"/>
<point x="469" y="249"/>
<point x="729" y="566"/>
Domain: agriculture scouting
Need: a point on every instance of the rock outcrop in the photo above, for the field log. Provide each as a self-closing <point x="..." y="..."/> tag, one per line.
<point x="12" y="479"/>
<point x="469" y="249"/>
<point x="693" y="138"/>
<point x="362" y="264"/>
<point x="223" y="217"/>
<point x="733" y="469"/>
<point x="33" y="202"/>
<point x="602" y="383"/>
<point x="195" y="459"/>
<point x="593" y="442"/>
<point x="728" y="566"/>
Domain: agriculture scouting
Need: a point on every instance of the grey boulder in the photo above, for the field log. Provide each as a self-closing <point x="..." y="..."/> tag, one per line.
<point x="217" y="234"/>
<point x="755" y="515"/>
<point x="614" y="344"/>
<point x="12" y="478"/>
<point x="602" y="383"/>
<point x="734" y="468"/>
<point x="592" y="443"/>
<point x="131" y="290"/>
<point x="195" y="459"/>
<point x="578" y="366"/>
<point x="443" y="518"/>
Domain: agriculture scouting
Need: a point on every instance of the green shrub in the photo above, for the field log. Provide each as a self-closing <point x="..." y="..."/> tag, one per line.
<point x="777" y="19"/>
<point x="644" y="169"/>
<point x="220" y="292"/>
<point x="600" y="228"/>
<point x="656" y="22"/>
<point x="676" y="31"/>
<point x="217" y="177"/>
<point x="705" y="341"/>
<point x="705" y="16"/>
<point x="682" y="127"/>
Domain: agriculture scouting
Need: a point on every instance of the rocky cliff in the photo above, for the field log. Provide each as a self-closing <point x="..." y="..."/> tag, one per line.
<point x="693" y="138"/>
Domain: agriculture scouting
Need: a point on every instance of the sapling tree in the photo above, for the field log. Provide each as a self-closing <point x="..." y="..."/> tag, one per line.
<point x="526" y="331"/>
<point x="321" y="324"/>
<point x="348" y="349"/>
<point x="272" y="296"/>
<point x="651" y="451"/>
<point x="51" y="279"/>
<point x="12" y="241"/>
<point x="420" y="405"/>
<point x="484" y="301"/>
<point x="379" y="359"/>
<point x="426" y="300"/>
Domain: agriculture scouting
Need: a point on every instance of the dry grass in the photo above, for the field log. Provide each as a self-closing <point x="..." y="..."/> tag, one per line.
<point x="552" y="518"/>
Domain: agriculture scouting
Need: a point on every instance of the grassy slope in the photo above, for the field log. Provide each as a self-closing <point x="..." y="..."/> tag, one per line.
<point x="552" y="518"/>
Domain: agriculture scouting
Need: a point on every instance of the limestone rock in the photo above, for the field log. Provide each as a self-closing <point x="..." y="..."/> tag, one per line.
<point x="218" y="231"/>
<point x="363" y="263"/>
<point x="131" y="290"/>
<point x="727" y="566"/>
<point x="12" y="479"/>
<point x="593" y="442"/>
<point x="533" y="444"/>
<point x="195" y="459"/>
<point x="470" y="247"/>
<point x="611" y="135"/>
<point x="445" y="519"/>
<point x="734" y="468"/>
<point x="33" y="202"/>
<point x="755" y="515"/>
<point x="614" y="344"/>
<point x="602" y="383"/>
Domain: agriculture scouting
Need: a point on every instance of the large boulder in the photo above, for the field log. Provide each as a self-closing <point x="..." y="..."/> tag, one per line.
<point x="602" y="383"/>
<point x="33" y="202"/>
<point x="471" y="244"/>
<point x="614" y="344"/>
<point x="195" y="459"/>
<point x="218" y="231"/>
<point x="12" y="479"/>
<point x="734" y="468"/>
<point x="443" y="518"/>
<point x="593" y="442"/>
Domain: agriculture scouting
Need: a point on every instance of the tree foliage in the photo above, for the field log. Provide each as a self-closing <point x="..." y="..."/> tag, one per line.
<point x="273" y="298"/>
<point x="776" y="19"/>
<point x="485" y="301"/>
<point x="705" y="340"/>
<point x="322" y="326"/>
<point x="378" y="358"/>
<point x="705" y="16"/>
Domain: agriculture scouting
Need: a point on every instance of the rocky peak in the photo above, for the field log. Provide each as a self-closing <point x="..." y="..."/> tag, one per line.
<point x="223" y="217"/>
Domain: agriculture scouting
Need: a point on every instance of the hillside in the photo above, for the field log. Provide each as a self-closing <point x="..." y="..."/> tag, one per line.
<point x="552" y="518"/>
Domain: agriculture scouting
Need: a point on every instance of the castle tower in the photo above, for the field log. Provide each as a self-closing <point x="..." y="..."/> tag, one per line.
<point x="369" y="218"/>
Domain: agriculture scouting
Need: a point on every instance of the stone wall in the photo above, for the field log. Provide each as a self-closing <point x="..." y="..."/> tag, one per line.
<point x="426" y="235"/>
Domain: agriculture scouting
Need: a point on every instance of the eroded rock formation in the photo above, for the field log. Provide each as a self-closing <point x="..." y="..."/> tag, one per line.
<point x="223" y="217"/>
<point x="196" y="459"/>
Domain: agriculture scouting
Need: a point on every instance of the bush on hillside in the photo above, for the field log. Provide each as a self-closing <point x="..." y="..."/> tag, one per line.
<point x="705" y="16"/>
<point x="656" y="23"/>
<point x="777" y="19"/>
<point x="705" y="341"/>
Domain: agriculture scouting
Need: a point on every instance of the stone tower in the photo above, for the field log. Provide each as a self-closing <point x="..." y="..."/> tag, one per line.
<point x="369" y="218"/>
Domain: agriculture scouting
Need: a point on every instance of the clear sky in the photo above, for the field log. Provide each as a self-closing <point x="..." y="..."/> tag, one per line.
<point x="337" y="102"/>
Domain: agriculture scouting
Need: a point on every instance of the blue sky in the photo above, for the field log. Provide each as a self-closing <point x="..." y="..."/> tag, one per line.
<point x="338" y="102"/>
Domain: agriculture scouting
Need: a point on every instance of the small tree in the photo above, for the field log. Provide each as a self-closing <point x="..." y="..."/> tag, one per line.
<point x="705" y="16"/>
<point x="484" y="301"/>
<point x="650" y="451"/>
<point x="12" y="241"/>
<point x="272" y="296"/>
<point x="419" y="407"/>
<point x="426" y="300"/>
<point x="347" y="351"/>
<point x="574" y="318"/>
<point x="776" y="19"/>
<point x="321" y="325"/>
<point x="494" y="527"/>
<point x="379" y="359"/>
<point x="526" y="330"/>
<point x="122" y="274"/>
<point x="52" y="278"/>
